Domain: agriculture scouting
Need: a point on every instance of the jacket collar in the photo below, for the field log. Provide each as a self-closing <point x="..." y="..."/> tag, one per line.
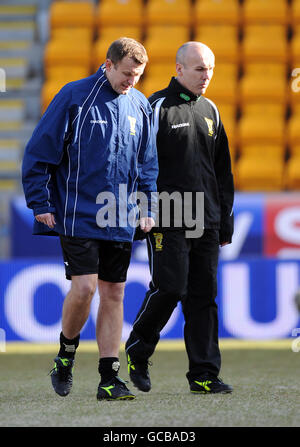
<point x="101" y="72"/>
<point x="182" y="91"/>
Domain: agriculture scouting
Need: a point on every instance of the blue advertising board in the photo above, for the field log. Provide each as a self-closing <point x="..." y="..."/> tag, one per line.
<point x="255" y="299"/>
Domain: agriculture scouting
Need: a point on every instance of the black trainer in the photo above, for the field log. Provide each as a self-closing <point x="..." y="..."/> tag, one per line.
<point x="139" y="374"/>
<point x="61" y="375"/>
<point x="114" y="389"/>
<point x="210" y="385"/>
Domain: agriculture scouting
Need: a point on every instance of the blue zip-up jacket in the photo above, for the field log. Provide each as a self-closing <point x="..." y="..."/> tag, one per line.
<point x="92" y="150"/>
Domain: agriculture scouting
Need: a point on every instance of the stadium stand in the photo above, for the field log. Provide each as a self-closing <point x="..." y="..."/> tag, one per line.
<point x="295" y="12"/>
<point x="119" y="12"/>
<point x="222" y="39"/>
<point x="166" y="12"/>
<point x="265" y="11"/>
<point x="45" y="44"/>
<point x="217" y="11"/>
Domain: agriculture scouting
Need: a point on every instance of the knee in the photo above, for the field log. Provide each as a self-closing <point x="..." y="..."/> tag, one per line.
<point x="84" y="290"/>
<point x="111" y="293"/>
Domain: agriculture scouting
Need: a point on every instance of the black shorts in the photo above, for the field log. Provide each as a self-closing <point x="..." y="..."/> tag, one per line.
<point x="109" y="259"/>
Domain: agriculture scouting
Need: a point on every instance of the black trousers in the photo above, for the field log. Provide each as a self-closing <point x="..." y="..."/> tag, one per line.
<point x="182" y="270"/>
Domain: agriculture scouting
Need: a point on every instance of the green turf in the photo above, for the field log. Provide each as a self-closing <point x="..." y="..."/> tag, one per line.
<point x="266" y="393"/>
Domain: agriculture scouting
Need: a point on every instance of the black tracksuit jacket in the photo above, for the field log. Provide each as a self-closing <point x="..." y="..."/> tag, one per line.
<point x="193" y="153"/>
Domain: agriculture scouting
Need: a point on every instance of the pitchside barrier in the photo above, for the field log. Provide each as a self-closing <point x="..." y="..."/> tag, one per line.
<point x="255" y="299"/>
<point x="258" y="277"/>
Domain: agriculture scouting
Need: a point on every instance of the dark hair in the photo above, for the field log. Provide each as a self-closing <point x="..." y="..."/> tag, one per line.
<point x="125" y="46"/>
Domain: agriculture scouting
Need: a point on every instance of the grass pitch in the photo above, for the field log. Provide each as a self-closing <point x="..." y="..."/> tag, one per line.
<point x="265" y="380"/>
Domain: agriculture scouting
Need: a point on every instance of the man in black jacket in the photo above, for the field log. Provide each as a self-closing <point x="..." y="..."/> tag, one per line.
<point x="194" y="158"/>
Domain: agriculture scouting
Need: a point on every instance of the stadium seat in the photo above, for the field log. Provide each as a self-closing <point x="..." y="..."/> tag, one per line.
<point x="119" y="12"/>
<point x="168" y="12"/>
<point x="162" y="42"/>
<point x="292" y="173"/>
<point x="253" y="174"/>
<point x="262" y="123"/>
<point x="295" y="46"/>
<point x="107" y="35"/>
<point x="263" y="151"/>
<point x="75" y="33"/>
<point x="265" y="43"/>
<point x="228" y="115"/>
<point x="71" y="14"/>
<point x="265" y="82"/>
<point x="265" y="11"/>
<point x="295" y="12"/>
<point x="70" y="74"/>
<point x="293" y="125"/>
<point x="157" y="76"/>
<point x="216" y="11"/>
<point x="65" y="52"/>
<point x="222" y="39"/>
<point x="223" y="86"/>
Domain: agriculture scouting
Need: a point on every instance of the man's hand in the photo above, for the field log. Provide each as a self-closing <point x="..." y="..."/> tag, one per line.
<point x="47" y="219"/>
<point x="224" y="243"/>
<point x="146" y="223"/>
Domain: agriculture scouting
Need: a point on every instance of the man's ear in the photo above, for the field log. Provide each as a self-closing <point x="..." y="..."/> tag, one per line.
<point x="108" y="65"/>
<point x="179" y="69"/>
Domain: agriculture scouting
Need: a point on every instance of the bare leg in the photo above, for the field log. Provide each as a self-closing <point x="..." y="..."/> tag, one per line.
<point x="110" y="318"/>
<point x="77" y="303"/>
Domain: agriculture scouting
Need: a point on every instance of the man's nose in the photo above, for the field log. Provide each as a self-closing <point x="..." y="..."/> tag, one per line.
<point x="130" y="81"/>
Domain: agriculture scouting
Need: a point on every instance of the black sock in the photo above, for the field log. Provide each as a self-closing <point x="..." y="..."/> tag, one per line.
<point x="108" y="368"/>
<point x="68" y="347"/>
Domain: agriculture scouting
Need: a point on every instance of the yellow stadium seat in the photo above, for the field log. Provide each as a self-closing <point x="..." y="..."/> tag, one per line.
<point x="74" y="33"/>
<point x="71" y="14"/>
<point x="70" y="73"/>
<point x="295" y="46"/>
<point x="67" y="53"/>
<point x="111" y="33"/>
<point x="119" y="12"/>
<point x="251" y="174"/>
<point x="149" y="86"/>
<point x="295" y="12"/>
<point x="217" y="11"/>
<point x="107" y="36"/>
<point x="295" y="149"/>
<point x="263" y="82"/>
<point x="265" y="11"/>
<point x="262" y="123"/>
<point x="293" y="125"/>
<point x="292" y="173"/>
<point x="263" y="151"/>
<point x="157" y="76"/>
<point x="162" y="42"/>
<point x="265" y="43"/>
<point x="223" y="86"/>
<point x="168" y="12"/>
<point x="228" y="113"/>
<point x="222" y="39"/>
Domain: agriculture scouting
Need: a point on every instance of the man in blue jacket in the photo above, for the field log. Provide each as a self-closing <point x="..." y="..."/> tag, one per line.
<point x="90" y="158"/>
